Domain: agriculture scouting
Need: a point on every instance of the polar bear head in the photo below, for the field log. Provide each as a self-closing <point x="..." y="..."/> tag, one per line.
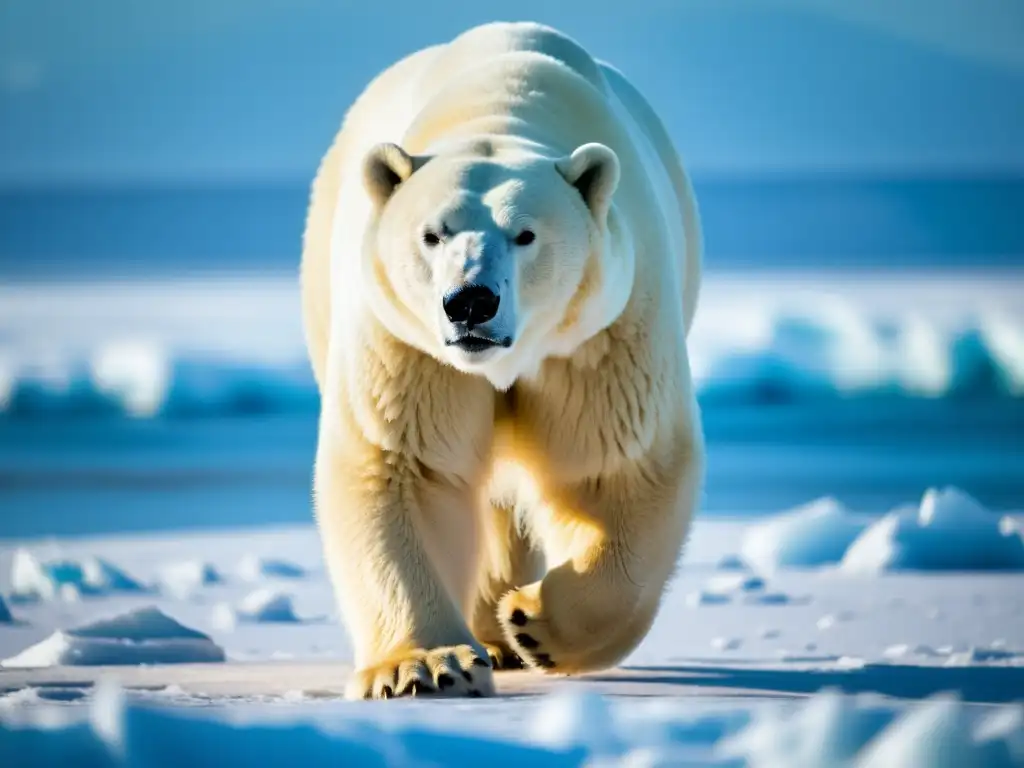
<point x="485" y="259"/>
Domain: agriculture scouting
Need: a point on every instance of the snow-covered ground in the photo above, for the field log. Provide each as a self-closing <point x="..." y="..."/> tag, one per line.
<point x="840" y="602"/>
<point x="732" y="648"/>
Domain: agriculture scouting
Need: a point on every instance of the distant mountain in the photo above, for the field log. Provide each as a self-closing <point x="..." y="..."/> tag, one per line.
<point x="236" y="89"/>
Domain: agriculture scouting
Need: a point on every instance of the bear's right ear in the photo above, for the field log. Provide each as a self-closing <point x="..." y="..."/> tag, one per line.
<point x="385" y="167"/>
<point x="593" y="169"/>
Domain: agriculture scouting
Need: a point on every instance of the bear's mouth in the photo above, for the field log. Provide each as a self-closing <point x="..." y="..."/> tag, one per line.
<point x="475" y="344"/>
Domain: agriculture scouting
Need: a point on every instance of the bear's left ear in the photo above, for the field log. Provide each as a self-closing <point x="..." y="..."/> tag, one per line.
<point x="594" y="170"/>
<point x="385" y="167"/>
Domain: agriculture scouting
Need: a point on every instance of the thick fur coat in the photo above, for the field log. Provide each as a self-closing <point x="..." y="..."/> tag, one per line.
<point x="501" y="263"/>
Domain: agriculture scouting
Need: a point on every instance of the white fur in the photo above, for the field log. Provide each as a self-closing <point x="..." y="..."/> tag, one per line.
<point x="540" y="490"/>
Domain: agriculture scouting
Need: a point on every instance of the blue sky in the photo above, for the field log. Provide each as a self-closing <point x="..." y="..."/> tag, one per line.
<point x="116" y="90"/>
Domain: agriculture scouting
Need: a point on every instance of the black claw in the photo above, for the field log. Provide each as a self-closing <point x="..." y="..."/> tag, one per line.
<point x="444" y="680"/>
<point x="527" y="641"/>
<point x="544" y="660"/>
<point x="478" y="662"/>
<point x="518" y="618"/>
<point x="386" y="692"/>
<point x="474" y="694"/>
<point x="469" y="677"/>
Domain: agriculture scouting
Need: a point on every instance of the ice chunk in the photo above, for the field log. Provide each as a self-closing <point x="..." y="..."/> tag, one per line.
<point x="725" y="584"/>
<point x="731" y="563"/>
<point x="573" y="718"/>
<point x="933" y="735"/>
<point x="696" y="599"/>
<point x="768" y="598"/>
<point x="830" y="620"/>
<point x="903" y="649"/>
<point x="263" y="606"/>
<point x="5" y="612"/>
<point x="141" y="636"/>
<point x="253" y="568"/>
<point x="135" y="374"/>
<point x="809" y="536"/>
<point x="948" y="531"/>
<point x="266" y="605"/>
<point x="106" y="577"/>
<point x="827" y="730"/>
<point x="973" y="656"/>
<point x="32" y="579"/>
<point x="726" y="643"/>
<point x="1000" y="736"/>
<point x="184" y="578"/>
<point x="1005" y="340"/>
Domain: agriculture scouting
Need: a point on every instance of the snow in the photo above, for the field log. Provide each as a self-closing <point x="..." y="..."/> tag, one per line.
<point x="948" y="531"/>
<point x="568" y="727"/>
<point x="817" y="602"/>
<point x="833" y="730"/>
<point x="140" y="636"/>
<point x="785" y="338"/>
<point x="814" y="534"/>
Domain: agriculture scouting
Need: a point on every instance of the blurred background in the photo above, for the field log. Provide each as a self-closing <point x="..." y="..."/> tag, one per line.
<point x="859" y="168"/>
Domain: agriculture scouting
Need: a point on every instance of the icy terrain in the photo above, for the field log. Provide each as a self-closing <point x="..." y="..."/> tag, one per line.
<point x="852" y="593"/>
<point x="129" y="349"/>
<point x="902" y="664"/>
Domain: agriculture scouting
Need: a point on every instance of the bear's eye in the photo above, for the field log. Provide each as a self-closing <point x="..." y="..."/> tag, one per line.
<point x="525" y="237"/>
<point x="431" y="238"/>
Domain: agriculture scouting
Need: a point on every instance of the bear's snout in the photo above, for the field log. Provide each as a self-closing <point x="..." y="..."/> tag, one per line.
<point x="471" y="305"/>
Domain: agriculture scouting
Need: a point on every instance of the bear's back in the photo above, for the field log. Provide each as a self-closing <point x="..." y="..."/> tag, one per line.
<point x="491" y="41"/>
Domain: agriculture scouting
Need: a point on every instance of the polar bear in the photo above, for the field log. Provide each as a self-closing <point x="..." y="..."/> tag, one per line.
<point x="500" y="265"/>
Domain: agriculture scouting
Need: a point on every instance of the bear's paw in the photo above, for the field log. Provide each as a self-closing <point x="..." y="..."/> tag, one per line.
<point x="451" y="671"/>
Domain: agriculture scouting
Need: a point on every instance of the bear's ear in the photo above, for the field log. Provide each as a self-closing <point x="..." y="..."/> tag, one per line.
<point x="594" y="170"/>
<point x="385" y="167"/>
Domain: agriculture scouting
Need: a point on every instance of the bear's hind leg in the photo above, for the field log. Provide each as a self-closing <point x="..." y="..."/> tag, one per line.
<point x="508" y="560"/>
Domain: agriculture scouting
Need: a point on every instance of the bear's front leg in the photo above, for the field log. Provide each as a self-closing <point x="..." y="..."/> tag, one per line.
<point x="614" y="542"/>
<point x="400" y="543"/>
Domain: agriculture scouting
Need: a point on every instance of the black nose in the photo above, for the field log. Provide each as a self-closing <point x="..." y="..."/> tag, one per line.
<point x="471" y="305"/>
